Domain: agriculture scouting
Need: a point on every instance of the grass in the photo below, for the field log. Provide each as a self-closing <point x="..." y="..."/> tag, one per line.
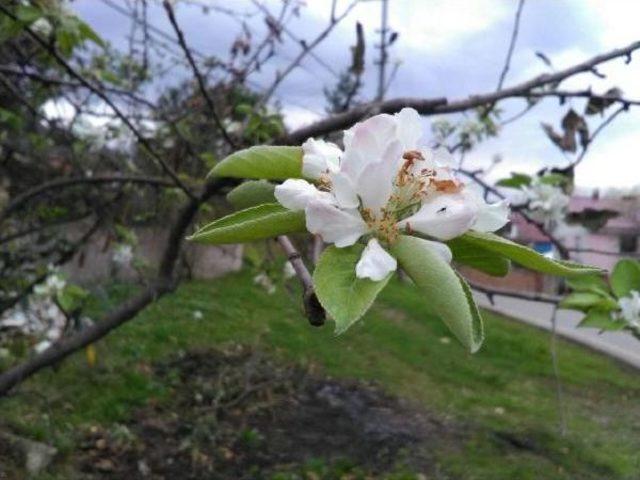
<point x="504" y="396"/>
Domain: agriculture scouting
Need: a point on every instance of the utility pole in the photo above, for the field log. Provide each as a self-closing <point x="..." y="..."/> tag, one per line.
<point x="382" y="61"/>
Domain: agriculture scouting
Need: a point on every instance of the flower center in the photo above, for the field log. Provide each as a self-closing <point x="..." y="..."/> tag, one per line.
<point x="412" y="185"/>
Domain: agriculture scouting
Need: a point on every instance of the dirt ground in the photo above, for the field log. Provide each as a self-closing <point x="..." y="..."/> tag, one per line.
<point x="238" y="414"/>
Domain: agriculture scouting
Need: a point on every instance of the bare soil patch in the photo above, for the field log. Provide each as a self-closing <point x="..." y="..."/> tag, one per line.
<point x="238" y="414"/>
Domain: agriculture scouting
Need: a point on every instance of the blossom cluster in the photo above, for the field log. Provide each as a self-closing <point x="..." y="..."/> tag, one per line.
<point x="40" y="315"/>
<point x="630" y="309"/>
<point x="546" y="202"/>
<point x="384" y="184"/>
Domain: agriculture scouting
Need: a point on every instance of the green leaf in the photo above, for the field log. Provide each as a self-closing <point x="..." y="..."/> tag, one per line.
<point x="625" y="277"/>
<point x="256" y="223"/>
<point x="588" y="283"/>
<point x="109" y="76"/>
<point x="9" y="28"/>
<point x="66" y="41"/>
<point x="600" y="319"/>
<point x="252" y="193"/>
<point x="71" y="297"/>
<point x="209" y="159"/>
<point x="527" y="257"/>
<point x="88" y="33"/>
<point x="584" y="301"/>
<point x="28" y="14"/>
<point x="12" y="120"/>
<point x="343" y="295"/>
<point x="555" y="179"/>
<point x="516" y="180"/>
<point x="447" y="294"/>
<point x="466" y="253"/>
<point x="266" y="162"/>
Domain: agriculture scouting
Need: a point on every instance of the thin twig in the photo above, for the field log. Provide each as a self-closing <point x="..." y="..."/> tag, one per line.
<point x="51" y="50"/>
<point x="512" y="45"/>
<point x="47" y="80"/>
<point x="306" y="49"/>
<point x="319" y="60"/>
<point x="562" y="249"/>
<point x="60" y="183"/>
<point x="314" y="311"/>
<point x="437" y="106"/>
<point x="529" y="296"/>
<point x="564" y="94"/>
<point x="162" y="284"/>
<point x="196" y="72"/>
<point x="595" y="133"/>
<point x="604" y="252"/>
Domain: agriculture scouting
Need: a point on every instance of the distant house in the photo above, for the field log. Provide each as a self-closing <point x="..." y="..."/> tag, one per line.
<point x="619" y="237"/>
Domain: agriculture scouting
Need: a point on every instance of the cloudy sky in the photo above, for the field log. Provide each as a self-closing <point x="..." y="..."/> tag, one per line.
<point x="450" y="48"/>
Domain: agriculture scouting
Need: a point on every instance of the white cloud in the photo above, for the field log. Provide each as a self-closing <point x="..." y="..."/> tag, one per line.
<point x="616" y="20"/>
<point x="431" y="26"/>
<point x="296" y="117"/>
<point x="615" y="162"/>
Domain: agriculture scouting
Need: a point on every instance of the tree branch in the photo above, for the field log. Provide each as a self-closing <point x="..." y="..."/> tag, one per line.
<point x="436" y="106"/>
<point x="306" y="49"/>
<point x="163" y="284"/>
<point x="50" y="49"/>
<point x="314" y="311"/>
<point x="47" y="80"/>
<point x="531" y="296"/>
<point x="595" y="133"/>
<point x="512" y="45"/>
<point x="562" y="250"/>
<point x="196" y="72"/>
<point x="57" y="184"/>
<point x="604" y="252"/>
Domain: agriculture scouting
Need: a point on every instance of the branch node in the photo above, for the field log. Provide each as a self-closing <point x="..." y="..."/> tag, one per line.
<point x="313" y="309"/>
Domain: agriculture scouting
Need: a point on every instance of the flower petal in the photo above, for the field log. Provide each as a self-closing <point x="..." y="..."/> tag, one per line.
<point x="440" y="248"/>
<point x="375" y="184"/>
<point x="344" y="191"/>
<point x="375" y="263"/>
<point x="408" y="128"/>
<point x="492" y="217"/>
<point x="444" y="217"/>
<point x="341" y="227"/>
<point x="319" y="157"/>
<point x="443" y="158"/>
<point x="365" y="143"/>
<point x="295" y="194"/>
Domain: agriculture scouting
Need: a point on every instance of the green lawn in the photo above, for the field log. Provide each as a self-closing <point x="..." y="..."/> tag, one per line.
<point x="507" y="390"/>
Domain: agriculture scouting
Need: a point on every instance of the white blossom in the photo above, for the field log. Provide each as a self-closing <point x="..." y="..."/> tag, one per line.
<point x="375" y="263"/>
<point x="546" y="202"/>
<point x="320" y="158"/>
<point x="42" y="346"/>
<point x="122" y="255"/>
<point x="38" y="317"/>
<point x="630" y="309"/>
<point x="383" y="184"/>
<point x="265" y="282"/>
<point x="53" y="284"/>
<point x="288" y="271"/>
<point x="42" y="26"/>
